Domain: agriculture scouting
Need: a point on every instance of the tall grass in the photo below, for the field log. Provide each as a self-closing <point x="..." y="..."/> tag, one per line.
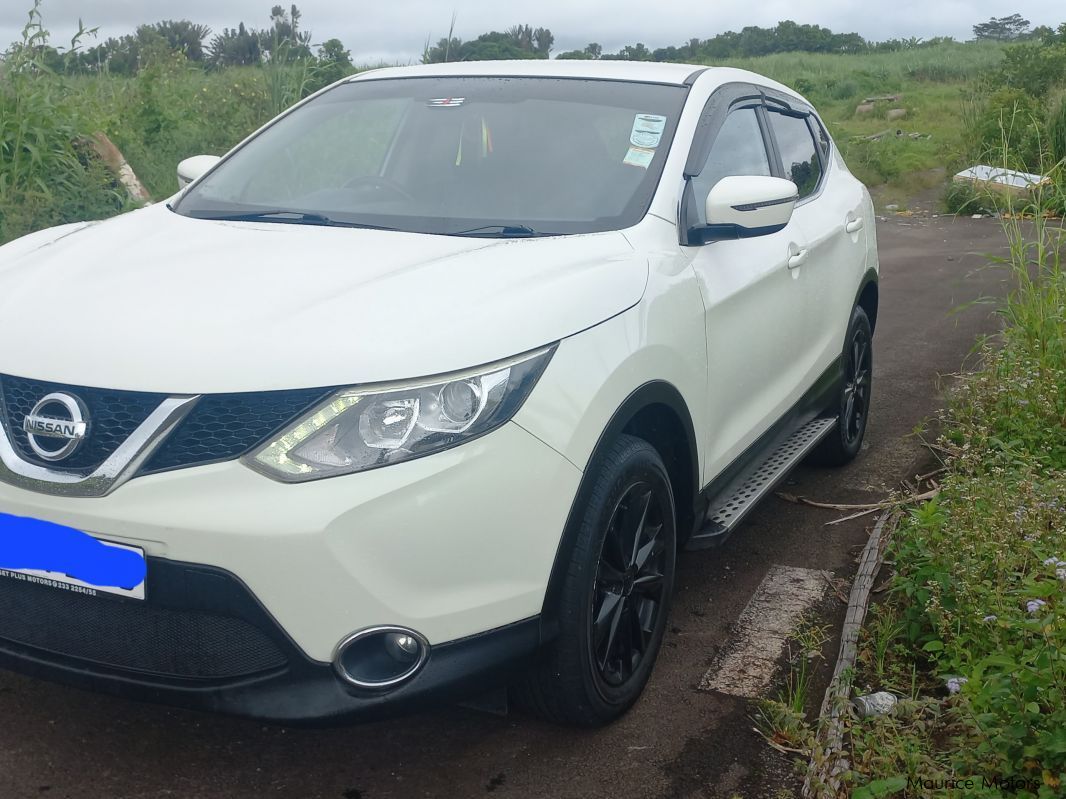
<point x="46" y="173"/>
<point x="834" y="77"/>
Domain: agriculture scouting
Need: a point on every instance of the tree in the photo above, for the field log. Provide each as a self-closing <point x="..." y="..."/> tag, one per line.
<point x="495" y="46"/>
<point x="235" y="47"/>
<point x="444" y="51"/>
<point x="543" y="40"/>
<point x="284" y="40"/>
<point x="591" y="52"/>
<point x="632" y="52"/>
<point x="334" y="62"/>
<point x="518" y="41"/>
<point x="574" y="55"/>
<point x="182" y="36"/>
<point x="1002" y="28"/>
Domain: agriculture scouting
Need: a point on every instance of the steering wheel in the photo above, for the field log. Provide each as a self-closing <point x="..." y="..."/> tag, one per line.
<point x="381" y="183"/>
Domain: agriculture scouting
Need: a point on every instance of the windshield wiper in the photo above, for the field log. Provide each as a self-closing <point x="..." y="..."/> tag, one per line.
<point x="290" y="217"/>
<point x="501" y="231"/>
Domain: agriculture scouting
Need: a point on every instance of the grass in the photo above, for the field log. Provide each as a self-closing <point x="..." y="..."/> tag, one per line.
<point x="783" y="720"/>
<point x="975" y="626"/>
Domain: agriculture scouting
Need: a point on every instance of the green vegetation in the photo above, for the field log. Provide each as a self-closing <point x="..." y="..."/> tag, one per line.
<point x="46" y="173"/>
<point x="782" y="721"/>
<point x="1018" y="118"/>
<point x="170" y="108"/>
<point x="974" y="631"/>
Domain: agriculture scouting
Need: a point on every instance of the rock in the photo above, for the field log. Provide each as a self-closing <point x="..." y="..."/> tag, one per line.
<point x="864" y="108"/>
<point x="896" y="113"/>
<point x="892" y="207"/>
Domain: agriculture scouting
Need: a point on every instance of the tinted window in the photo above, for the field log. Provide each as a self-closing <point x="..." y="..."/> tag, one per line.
<point x="738" y="149"/>
<point x="456" y="156"/>
<point x="798" y="153"/>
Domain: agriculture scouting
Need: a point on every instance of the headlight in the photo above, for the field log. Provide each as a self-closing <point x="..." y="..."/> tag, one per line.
<point x="362" y="428"/>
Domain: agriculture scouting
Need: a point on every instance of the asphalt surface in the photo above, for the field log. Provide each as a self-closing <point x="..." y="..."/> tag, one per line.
<point x="677" y="742"/>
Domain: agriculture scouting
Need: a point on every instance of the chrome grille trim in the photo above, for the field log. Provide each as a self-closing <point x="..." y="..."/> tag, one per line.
<point x="123" y="463"/>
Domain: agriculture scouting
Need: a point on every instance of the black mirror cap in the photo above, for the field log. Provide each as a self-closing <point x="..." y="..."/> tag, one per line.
<point x="705" y="234"/>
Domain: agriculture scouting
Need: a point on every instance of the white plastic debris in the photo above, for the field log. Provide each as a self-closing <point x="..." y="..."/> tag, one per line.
<point x="877" y="704"/>
<point x="1000" y="178"/>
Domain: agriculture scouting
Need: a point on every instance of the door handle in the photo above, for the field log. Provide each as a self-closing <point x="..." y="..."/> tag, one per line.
<point x="854" y="225"/>
<point x="799" y="259"/>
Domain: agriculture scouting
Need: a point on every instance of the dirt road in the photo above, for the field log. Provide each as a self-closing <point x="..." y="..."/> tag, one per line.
<point x="679" y="741"/>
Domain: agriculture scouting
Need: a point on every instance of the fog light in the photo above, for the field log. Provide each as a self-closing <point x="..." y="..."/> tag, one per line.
<point x="380" y="657"/>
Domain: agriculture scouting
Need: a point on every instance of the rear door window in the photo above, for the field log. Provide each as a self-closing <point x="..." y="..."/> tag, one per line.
<point x="799" y="153"/>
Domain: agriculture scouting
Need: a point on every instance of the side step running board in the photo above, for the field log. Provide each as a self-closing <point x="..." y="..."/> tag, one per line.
<point x="730" y="506"/>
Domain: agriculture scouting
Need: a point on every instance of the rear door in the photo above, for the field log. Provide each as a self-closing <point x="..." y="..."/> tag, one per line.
<point x="831" y="214"/>
<point x="753" y="300"/>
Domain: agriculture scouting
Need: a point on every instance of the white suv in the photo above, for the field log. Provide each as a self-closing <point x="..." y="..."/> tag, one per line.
<point x="420" y="389"/>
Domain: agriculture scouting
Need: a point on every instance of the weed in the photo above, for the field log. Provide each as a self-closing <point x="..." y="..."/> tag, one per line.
<point x="783" y="720"/>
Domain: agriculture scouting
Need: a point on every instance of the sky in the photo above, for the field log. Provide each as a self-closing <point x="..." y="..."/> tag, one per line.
<point x="396" y="31"/>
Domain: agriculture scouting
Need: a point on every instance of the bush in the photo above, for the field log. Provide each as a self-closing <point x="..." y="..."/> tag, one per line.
<point x="1034" y="68"/>
<point x="1007" y="130"/>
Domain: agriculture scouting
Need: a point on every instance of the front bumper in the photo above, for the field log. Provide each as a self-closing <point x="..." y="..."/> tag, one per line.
<point x="452" y="545"/>
<point x="202" y="641"/>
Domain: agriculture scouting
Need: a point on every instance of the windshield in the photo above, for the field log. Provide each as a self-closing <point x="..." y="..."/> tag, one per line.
<point x="455" y="156"/>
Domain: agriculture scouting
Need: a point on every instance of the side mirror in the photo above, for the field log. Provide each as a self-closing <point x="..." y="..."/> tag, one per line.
<point x="191" y="169"/>
<point x="749" y="205"/>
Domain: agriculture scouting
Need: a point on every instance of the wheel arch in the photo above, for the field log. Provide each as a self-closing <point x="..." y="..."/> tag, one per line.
<point x="867" y="298"/>
<point x="657" y="413"/>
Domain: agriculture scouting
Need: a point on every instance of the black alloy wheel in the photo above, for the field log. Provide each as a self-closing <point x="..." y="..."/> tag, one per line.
<point x="852" y="405"/>
<point x="610" y="610"/>
<point x="857" y="380"/>
<point x="627" y="598"/>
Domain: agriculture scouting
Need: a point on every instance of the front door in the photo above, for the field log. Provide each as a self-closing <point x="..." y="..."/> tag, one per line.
<point x="753" y="297"/>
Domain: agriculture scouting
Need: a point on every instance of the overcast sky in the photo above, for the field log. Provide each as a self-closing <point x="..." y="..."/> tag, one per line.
<point x="396" y="31"/>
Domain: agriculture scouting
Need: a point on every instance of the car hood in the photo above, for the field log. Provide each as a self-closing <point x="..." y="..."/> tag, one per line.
<point x="154" y="301"/>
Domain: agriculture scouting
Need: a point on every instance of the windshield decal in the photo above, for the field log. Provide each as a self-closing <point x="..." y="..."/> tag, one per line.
<point x="639" y="156"/>
<point x="647" y="130"/>
<point x="446" y="102"/>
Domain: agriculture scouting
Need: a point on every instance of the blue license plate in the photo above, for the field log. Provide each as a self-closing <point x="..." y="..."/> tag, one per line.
<point x="40" y="552"/>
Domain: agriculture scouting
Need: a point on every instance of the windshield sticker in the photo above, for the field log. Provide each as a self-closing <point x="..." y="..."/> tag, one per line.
<point x="647" y="130"/>
<point x="639" y="156"/>
<point x="446" y="102"/>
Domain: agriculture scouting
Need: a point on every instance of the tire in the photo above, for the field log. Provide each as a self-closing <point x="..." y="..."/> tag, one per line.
<point x="853" y="402"/>
<point x="586" y="678"/>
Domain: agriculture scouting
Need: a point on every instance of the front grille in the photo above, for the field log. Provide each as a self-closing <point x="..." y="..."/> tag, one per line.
<point x="134" y="636"/>
<point x="220" y="427"/>
<point x="113" y="415"/>
<point x="225" y="426"/>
